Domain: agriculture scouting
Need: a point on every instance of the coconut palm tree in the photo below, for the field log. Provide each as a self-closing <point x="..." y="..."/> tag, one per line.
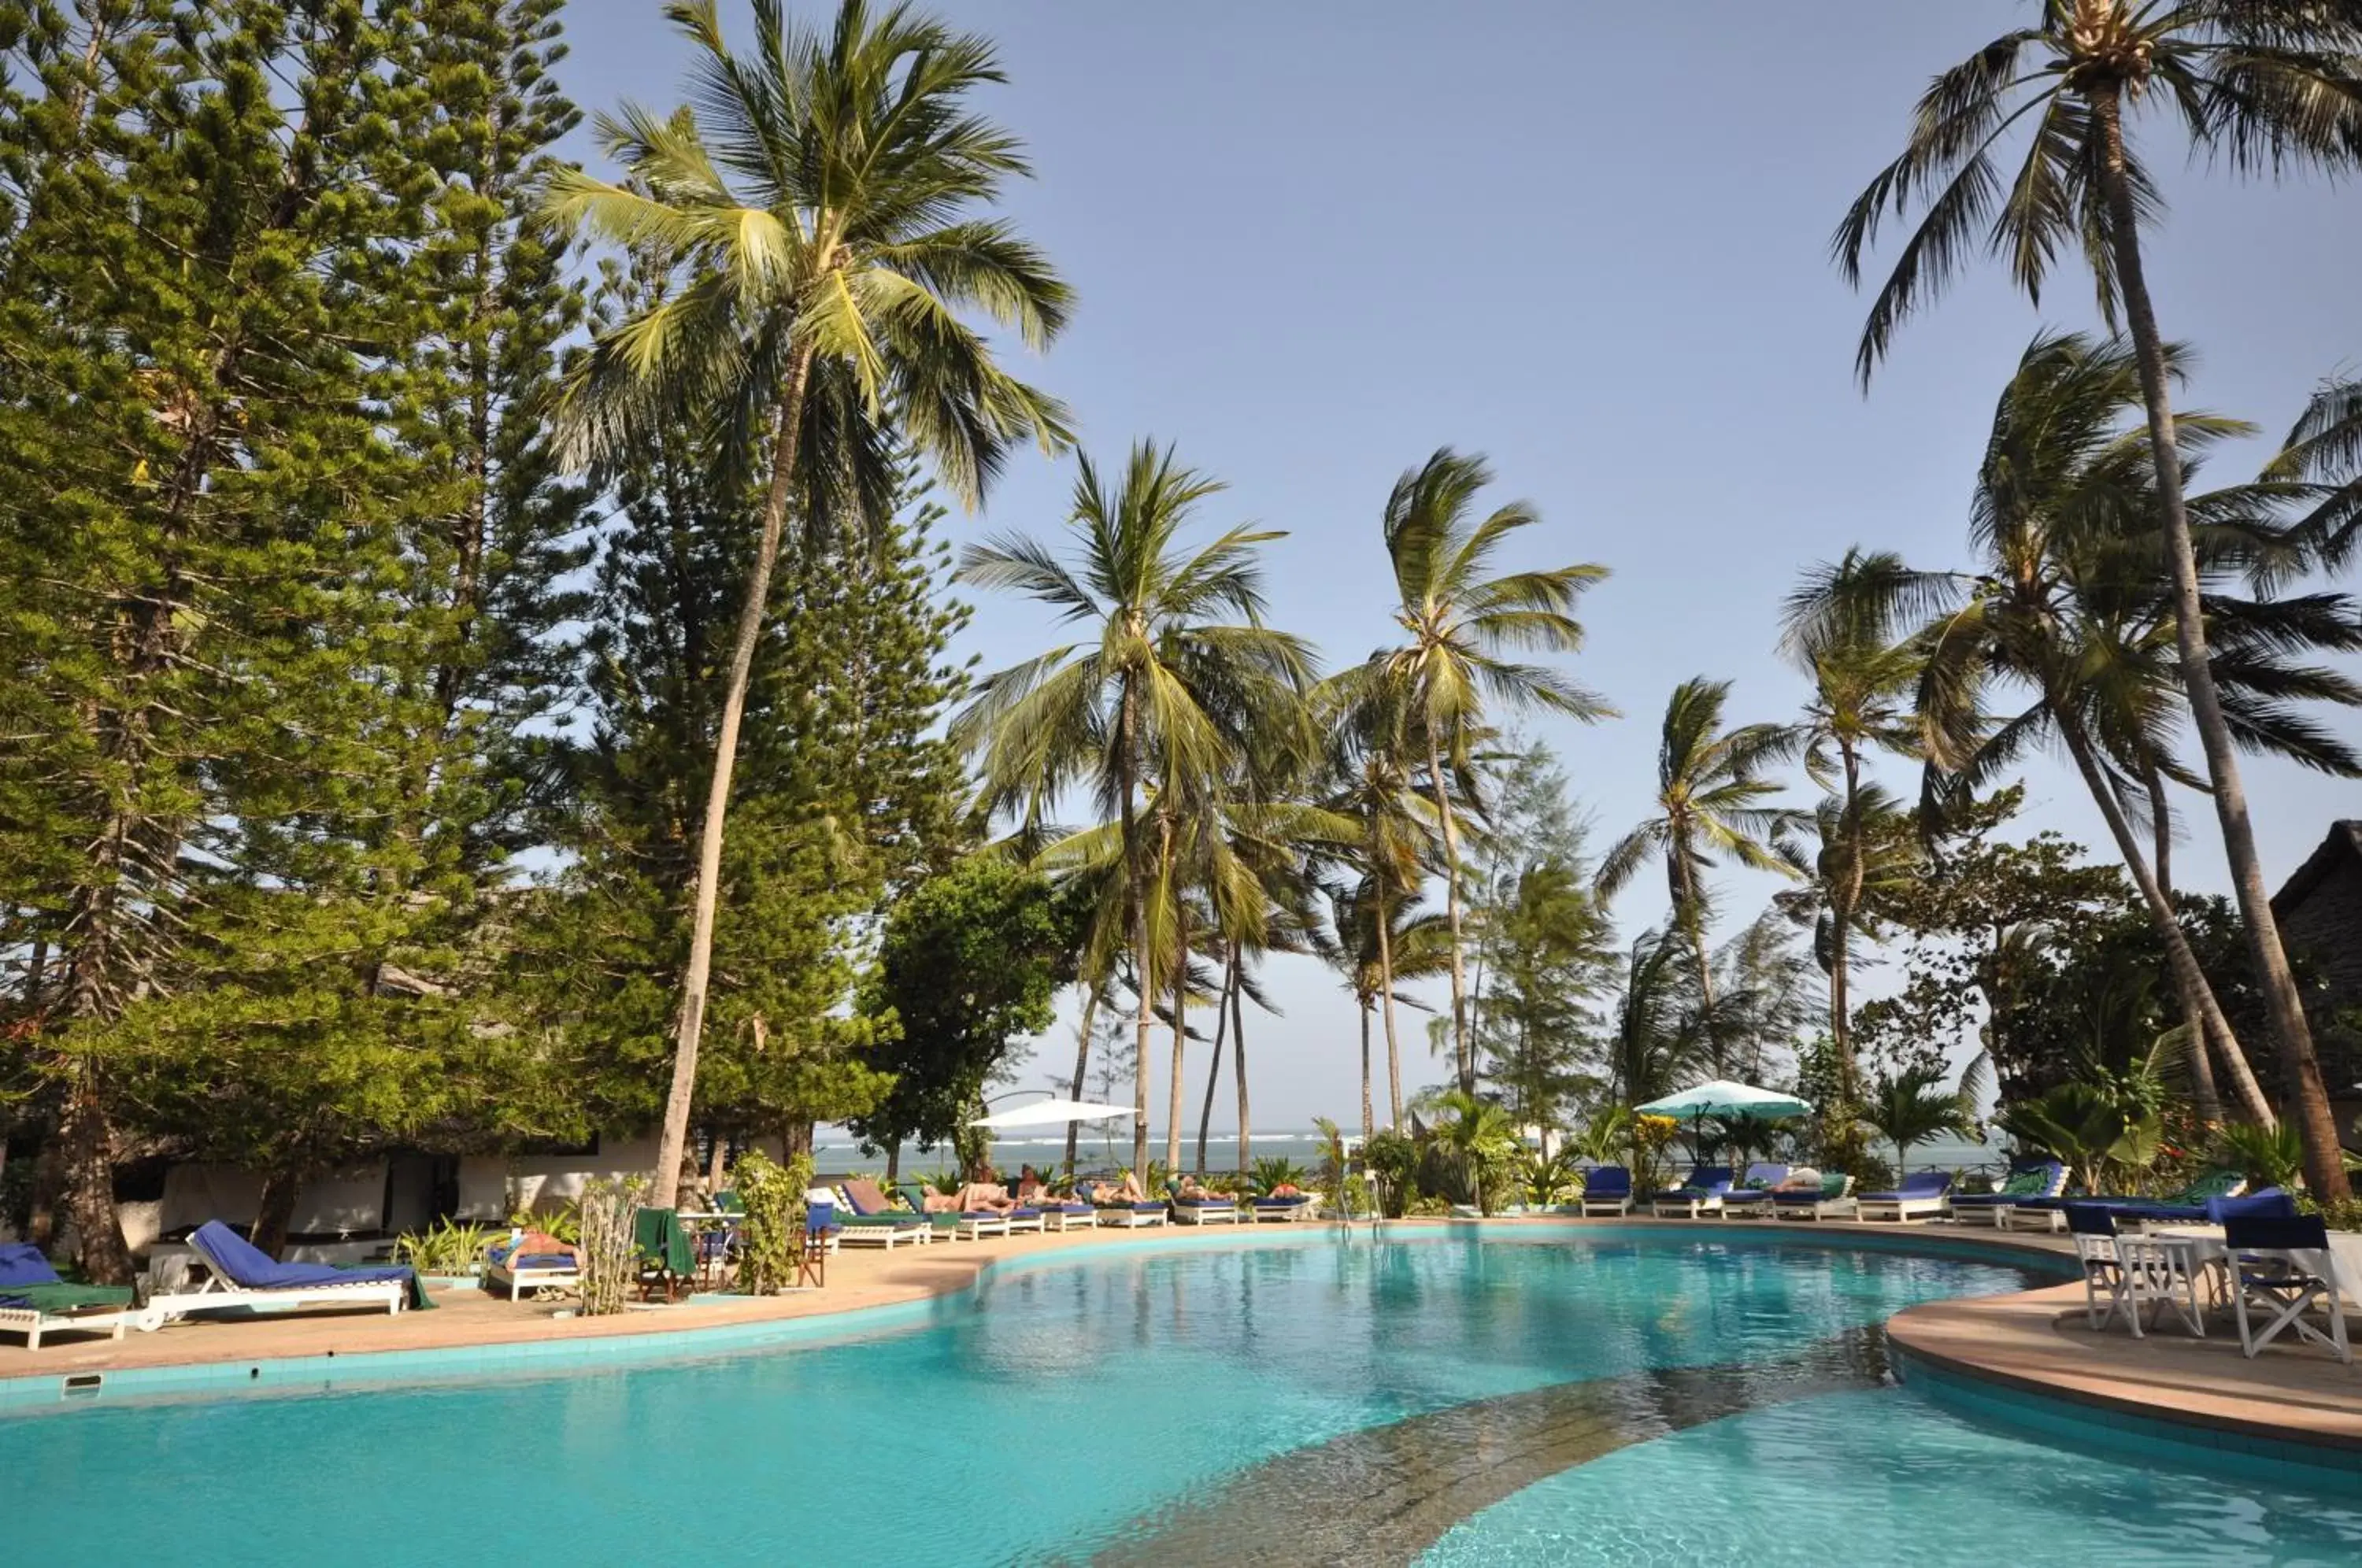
<point x="1711" y="806"/>
<point x="2070" y="600"/>
<point x="1459" y="623"/>
<point x="2266" y="85"/>
<point x="1160" y="692"/>
<point x="2324" y="456"/>
<point x="1374" y="771"/>
<point x="821" y="214"/>
<point x="1864" y="844"/>
<point x="1861" y="703"/>
<point x="1659" y="1035"/>
<point x="1412" y="945"/>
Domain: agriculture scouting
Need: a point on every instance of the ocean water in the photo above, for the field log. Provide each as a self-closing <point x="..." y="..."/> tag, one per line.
<point x="839" y="1154"/>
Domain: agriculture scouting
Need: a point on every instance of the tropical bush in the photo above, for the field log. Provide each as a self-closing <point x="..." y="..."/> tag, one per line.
<point x="1651" y="1137"/>
<point x="610" y="1255"/>
<point x="2267" y="1156"/>
<point x="1268" y="1173"/>
<point x="445" y="1247"/>
<point x="1604" y="1138"/>
<point x="2097" y="1134"/>
<point x="1549" y="1179"/>
<point x="772" y="1234"/>
<point x="1392" y="1160"/>
<point x="561" y="1223"/>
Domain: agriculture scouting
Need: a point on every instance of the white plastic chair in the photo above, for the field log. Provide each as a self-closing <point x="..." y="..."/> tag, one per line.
<point x="2283" y="1267"/>
<point x="2152" y="1272"/>
<point x="2096" y="1241"/>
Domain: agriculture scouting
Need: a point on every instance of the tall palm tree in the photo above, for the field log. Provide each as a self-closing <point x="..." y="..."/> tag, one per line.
<point x="1711" y="806"/>
<point x="1161" y="691"/>
<point x="1659" y="1033"/>
<point x="820" y="212"/>
<point x="2069" y="600"/>
<point x="1861" y="703"/>
<point x="1459" y="623"/>
<point x="1272" y="908"/>
<point x="1375" y="772"/>
<point x="2266" y="85"/>
<point x="1864" y="843"/>
<point x="1412" y="945"/>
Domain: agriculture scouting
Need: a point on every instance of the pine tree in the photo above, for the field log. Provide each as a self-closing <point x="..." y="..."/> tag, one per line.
<point x="844" y="794"/>
<point x="222" y="286"/>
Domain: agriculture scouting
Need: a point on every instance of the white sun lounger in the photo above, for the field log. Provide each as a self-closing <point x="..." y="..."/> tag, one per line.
<point x="1218" y="1212"/>
<point x="214" y="1295"/>
<point x="523" y="1282"/>
<point x="219" y="1292"/>
<point x="33" y="1323"/>
<point x="1842" y="1207"/>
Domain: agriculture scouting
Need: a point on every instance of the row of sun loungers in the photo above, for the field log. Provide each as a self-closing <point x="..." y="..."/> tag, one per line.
<point x="2031" y="1196"/>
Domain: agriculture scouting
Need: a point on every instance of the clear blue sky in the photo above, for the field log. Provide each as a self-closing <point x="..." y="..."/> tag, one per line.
<point x="1313" y="242"/>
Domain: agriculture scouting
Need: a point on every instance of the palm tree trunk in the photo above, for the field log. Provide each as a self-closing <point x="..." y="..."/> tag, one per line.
<point x="2324" y="1164"/>
<point x="1082" y="1065"/>
<point x="1143" y="972"/>
<point x="1369" y="1123"/>
<point x="1386" y="1000"/>
<point x="1844" y="898"/>
<point x="2186" y="972"/>
<point x="1238" y="1071"/>
<point x="1214" y="1069"/>
<point x="705" y="893"/>
<point x="1693" y="921"/>
<point x="1174" y="1118"/>
<point x="2202" y="1090"/>
<point x="1466" y="1065"/>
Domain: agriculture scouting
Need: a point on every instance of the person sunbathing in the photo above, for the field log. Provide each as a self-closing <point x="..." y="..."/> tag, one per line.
<point x="985" y="1198"/>
<point x="1109" y="1195"/>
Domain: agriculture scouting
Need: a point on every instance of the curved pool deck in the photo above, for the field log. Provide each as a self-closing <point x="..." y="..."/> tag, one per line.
<point x="2031" y="1343"/>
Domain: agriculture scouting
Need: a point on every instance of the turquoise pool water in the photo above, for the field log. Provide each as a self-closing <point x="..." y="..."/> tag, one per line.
<point x="1473" y="1400"/>
<point x="1921" y="1487"/>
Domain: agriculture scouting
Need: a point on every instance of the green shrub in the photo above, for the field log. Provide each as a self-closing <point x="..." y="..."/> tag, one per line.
<point x="2345" y="1214"/>
<point x="772" y="1234"/>
<point x="446" y="1247"/>
<point x="1277" y="1172"/>
<point x="1393" y="1161"/>
<point x="2267" y="1156"/>
<point x="563" y="1223"/>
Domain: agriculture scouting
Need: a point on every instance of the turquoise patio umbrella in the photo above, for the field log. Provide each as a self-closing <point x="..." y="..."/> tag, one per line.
<point x="1724" y="1098"/>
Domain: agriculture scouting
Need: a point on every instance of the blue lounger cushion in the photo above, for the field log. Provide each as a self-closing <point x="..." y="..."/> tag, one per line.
<point x="1926" y="1184"/>
<point x="21" y="1263"/>
<point x="251" y="1268"/>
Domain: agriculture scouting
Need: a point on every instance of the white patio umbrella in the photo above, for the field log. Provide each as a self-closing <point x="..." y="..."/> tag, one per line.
<point x="1051" y="1113"/>
<point x="1724" y="1098"/>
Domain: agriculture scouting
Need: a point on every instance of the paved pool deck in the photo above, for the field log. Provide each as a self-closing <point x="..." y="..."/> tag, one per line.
<point x="2035" y="1342"/>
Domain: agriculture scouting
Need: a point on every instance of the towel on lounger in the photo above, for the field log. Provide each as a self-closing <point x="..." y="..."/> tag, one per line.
<point x="248" y="1267"/>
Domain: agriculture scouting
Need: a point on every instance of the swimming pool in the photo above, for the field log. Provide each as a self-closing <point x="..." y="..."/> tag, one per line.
<point x="1446" y="1397"/>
